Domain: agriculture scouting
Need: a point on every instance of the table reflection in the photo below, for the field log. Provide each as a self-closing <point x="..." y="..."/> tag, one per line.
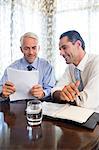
<point x="15" y="133"/>
<point x="9" y="116"/>
<point x="76" y="140"/>
<point x="7" y="121"/>
<point x="34" y="132"/>
<point x="4" y="132"/>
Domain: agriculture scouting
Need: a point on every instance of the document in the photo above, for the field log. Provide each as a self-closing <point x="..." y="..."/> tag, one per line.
<point x="66" y="111"/>
<point x="23" y="81"/>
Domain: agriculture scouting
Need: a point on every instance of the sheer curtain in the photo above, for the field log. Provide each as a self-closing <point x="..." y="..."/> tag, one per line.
<point x="16" y="18"/>
<point x="48" y="19"/>
<point x="80" y="15"/>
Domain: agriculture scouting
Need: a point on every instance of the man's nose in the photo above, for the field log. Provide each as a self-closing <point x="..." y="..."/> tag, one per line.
<point x="31" y="50"/>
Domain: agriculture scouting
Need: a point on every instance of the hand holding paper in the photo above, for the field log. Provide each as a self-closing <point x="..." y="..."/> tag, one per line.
<point x="8" y="89"/>
<point x="37" y="91"/>
<point x="23" y="81"/>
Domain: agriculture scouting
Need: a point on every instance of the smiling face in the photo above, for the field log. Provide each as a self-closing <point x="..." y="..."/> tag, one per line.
<point x="30" y="49"/>
<point x="70" y="51"/>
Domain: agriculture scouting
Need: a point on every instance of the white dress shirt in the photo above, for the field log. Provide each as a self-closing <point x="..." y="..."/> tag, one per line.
<point x="89" y="67"/>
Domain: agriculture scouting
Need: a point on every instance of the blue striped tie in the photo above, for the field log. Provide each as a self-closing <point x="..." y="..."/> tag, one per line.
<point x="77" y="74"/>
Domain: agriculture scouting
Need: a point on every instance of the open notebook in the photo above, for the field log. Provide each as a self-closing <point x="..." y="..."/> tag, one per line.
<point x="66" y="111"/>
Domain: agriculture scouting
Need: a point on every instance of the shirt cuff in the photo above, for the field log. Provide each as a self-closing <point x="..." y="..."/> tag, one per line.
<point x="56" y="89"/>
<point x="46" y="93"/>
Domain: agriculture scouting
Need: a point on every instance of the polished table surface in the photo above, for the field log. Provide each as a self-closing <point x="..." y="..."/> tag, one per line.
<point x="16" y="134"/>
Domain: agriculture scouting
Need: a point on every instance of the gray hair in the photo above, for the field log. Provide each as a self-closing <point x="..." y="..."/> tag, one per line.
<point x="30" y="35"/>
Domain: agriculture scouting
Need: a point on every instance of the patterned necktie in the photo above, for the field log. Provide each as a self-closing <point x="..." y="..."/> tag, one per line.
<point x="29" y="67"/>
<point x="77" y="74"/>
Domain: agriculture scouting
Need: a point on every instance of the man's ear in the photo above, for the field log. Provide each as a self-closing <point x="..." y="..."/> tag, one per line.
<point x="78" y="43"/>
<point x="21" y="49"/>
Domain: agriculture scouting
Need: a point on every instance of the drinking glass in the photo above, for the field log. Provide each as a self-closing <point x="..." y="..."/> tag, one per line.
<point x="34" y="112"/>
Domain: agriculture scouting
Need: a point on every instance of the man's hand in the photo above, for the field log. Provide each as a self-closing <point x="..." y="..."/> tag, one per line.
<point x="37" y="91"/>
<point x="70" y="92"/>
<point x="8" y="89"/>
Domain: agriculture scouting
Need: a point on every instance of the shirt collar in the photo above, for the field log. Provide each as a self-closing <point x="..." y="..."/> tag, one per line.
<point x="34" y="64"/>
<point x="83" y="62"/>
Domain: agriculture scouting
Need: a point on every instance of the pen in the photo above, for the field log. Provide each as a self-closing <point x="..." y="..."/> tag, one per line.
<point x="79" y="98"/>
<point x="7" y="84"/>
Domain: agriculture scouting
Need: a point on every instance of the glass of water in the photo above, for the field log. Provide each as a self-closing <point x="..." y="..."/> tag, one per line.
<point x="34" y="112"/>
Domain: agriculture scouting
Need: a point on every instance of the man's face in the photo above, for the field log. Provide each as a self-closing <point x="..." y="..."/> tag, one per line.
<point x="68" y="50"/>
<point x="30" y="49"/>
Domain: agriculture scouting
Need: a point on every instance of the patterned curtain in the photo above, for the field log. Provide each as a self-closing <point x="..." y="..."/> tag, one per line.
<point x="50" y="40"/>
<point x="48" y="19"/>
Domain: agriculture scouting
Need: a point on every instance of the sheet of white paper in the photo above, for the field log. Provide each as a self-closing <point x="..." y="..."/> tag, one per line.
<point x="50" y="109"/>
<point x="23" y="81"/>
<point x="66" y="111"/>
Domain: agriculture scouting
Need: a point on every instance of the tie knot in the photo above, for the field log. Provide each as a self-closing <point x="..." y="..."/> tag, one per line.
<point x="29" y="67"/>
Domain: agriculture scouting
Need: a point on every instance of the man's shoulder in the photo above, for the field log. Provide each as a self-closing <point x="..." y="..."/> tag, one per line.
<point x="15" y="63"/>
<point x="44" y="61"/>
<point x="93" y="57"/>
<point x="93" y="62"/>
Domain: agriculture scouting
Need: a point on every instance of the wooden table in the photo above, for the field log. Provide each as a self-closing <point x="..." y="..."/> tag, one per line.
<point x="15" y="134"/>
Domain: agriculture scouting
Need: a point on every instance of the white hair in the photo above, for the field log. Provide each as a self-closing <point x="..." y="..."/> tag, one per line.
<point x="30" y="35"/>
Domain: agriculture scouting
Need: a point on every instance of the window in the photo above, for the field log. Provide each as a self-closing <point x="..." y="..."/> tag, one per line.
<point x="80" y="15"/>
<point x="16" y="18"/>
